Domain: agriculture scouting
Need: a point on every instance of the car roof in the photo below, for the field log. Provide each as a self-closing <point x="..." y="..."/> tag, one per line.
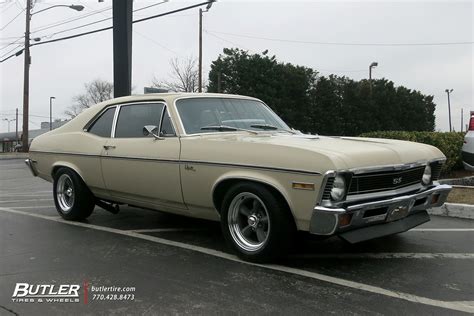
<point x="170" y="97"/>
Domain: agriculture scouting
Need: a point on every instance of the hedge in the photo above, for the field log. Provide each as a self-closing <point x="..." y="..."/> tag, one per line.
<point x="449" y="143"/>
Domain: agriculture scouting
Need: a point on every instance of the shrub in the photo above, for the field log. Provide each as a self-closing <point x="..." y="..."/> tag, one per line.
<point x="449" y="143"/>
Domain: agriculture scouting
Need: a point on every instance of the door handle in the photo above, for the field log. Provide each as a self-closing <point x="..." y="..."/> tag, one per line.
<point x="107" y="147"/>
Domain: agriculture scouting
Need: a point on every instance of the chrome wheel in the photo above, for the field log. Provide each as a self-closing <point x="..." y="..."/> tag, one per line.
<point x="65" y="193"/>
<point x="248" y="221"/>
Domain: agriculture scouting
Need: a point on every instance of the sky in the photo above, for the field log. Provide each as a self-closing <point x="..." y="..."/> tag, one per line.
<point x="291" y="30"/>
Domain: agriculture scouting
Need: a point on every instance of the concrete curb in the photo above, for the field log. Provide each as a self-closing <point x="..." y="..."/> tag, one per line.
<point x="6" y="156"/>
<point x="454" y="210"/>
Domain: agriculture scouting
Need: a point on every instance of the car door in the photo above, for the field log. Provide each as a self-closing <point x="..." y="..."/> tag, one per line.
<point x="143" y="169"/>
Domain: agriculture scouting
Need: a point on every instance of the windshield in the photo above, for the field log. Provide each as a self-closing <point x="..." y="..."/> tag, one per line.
<point x="205" y="115"/>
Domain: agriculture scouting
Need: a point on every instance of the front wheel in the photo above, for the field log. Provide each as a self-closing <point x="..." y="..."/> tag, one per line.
<point x="73" y="199"/>
<point x="256" y="223"/>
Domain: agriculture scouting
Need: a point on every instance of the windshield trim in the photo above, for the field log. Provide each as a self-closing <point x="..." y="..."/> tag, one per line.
<point x="183" y="130"/>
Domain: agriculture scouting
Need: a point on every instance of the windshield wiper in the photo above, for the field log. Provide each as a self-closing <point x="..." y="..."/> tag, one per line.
<point x="225" y="128"/>
<point x="264" y="126"/>
<point x="269" y="127"/>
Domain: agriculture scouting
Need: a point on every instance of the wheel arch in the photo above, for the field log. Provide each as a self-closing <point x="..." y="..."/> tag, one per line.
<point x="63" y="164"/>
<point x="223" y="184"/>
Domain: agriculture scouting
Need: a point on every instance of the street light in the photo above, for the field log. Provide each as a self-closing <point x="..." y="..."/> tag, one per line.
<point x="448" y="92"/>
<point x="372" y="65"/>
<point x="8" y="121"/>
<point x="72" y="6"/>
<point x="201" y="11"/>
<point x="27" y="61"/>
<point x="51" y="112"/>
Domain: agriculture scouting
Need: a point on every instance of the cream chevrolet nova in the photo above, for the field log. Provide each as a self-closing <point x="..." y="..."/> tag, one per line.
<point x="231" y="159"/>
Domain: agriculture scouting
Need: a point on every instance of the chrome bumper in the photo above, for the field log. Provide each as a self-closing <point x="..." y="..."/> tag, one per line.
<point x="31" y="165"/>
<point x="338" y="220"/>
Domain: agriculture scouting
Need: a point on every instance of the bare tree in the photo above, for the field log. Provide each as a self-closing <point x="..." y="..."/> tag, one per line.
<point x="96" y="91"/>
<point x="184" y="76"/>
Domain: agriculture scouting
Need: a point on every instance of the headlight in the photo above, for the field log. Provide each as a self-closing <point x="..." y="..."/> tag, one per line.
<point x="338" y="190"/>
<point x="426" y="175"/>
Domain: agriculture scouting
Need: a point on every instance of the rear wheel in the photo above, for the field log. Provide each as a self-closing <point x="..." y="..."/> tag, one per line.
<point x="256" y="223"/>
<point x="73" y="199"/>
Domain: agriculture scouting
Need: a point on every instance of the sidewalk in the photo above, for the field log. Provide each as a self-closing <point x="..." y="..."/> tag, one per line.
<point x="4" y="156"/>
<point x="454" y="210"/>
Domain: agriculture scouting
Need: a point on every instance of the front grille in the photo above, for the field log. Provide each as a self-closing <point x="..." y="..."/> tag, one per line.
<point x="436" y="170"/>
<point x="383" y="181"/>
<point x="328" y="188"/>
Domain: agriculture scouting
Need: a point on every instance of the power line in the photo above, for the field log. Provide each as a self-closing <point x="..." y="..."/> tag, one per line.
<point x="316" y="68"/>
<point x="225" y="40"/>
<point x="145" y="36"/>
<point x="33" y="115"/>
<point x="14" y="48"/>
<point x="341" y="43"/>
<point x="11" y="43"/>
<point x="95" y="22"/>
<point x="108" y="28"/>
<point x="3" y="27"/>
<point x="65" y="21"/>
<point x="12" y="55"/>
<point x="8" y="7"/>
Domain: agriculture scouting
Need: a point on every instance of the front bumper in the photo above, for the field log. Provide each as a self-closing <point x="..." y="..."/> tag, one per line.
<point x="371" y="216"/>
<point x="31" y="165"/>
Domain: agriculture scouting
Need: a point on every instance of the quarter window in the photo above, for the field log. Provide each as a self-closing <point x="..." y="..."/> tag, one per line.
<point x="103" y="125"/>
<point x="132" y="119"/>
<point x="166" y="126"/>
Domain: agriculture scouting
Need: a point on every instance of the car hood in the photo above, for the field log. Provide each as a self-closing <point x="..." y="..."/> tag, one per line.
<point x="342" y="152"/>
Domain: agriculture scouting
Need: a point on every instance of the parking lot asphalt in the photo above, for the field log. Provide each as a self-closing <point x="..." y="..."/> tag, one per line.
<point x="179" y="265"/>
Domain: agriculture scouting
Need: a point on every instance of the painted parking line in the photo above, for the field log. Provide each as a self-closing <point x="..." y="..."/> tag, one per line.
<point x="31" y="200"/>
<point x="457" y="306"/>
<point x="4" y="195"/>
<point x="386" y="255"/>
<point x="442" y="230"/>
<point x="35" y="207"/>
<point x="164" y="230"/>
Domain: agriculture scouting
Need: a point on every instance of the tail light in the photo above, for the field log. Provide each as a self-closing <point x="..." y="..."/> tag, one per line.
<point x="471" y="124"/>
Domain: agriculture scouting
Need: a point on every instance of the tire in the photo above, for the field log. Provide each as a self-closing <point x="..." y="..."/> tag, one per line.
<point x="256" y="223"/>
<point x="73" y="199"/>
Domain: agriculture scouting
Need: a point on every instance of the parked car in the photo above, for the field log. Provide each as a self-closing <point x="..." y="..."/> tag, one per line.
<point x="231" y="159"/>
<point x="468" y="146"/>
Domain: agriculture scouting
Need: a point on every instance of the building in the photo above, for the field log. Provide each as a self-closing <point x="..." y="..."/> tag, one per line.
<point x="8" y="140"/>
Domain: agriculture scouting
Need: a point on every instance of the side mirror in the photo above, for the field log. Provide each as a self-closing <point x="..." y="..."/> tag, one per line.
<point x="151" y="130"/>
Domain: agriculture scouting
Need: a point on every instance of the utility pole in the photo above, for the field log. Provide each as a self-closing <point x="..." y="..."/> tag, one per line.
<point x="462" y="113"/>
<point x="26" y="78"/>
<point x="122" y="39"/>
<point x="448" y="92"/>
<point x="201" y="11"/>
<point x="200" y="51"/>
<point x="26" y="68"/>
<point x="16" y="119"/>
<point x="51" y="112"/>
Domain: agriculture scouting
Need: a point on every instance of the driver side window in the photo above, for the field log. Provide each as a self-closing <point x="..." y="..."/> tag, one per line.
<point x="132" y="119"/>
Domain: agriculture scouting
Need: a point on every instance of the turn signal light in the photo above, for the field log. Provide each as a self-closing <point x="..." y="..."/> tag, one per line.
<point x="303" y="186"/>
<point x="345" y="219"/>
